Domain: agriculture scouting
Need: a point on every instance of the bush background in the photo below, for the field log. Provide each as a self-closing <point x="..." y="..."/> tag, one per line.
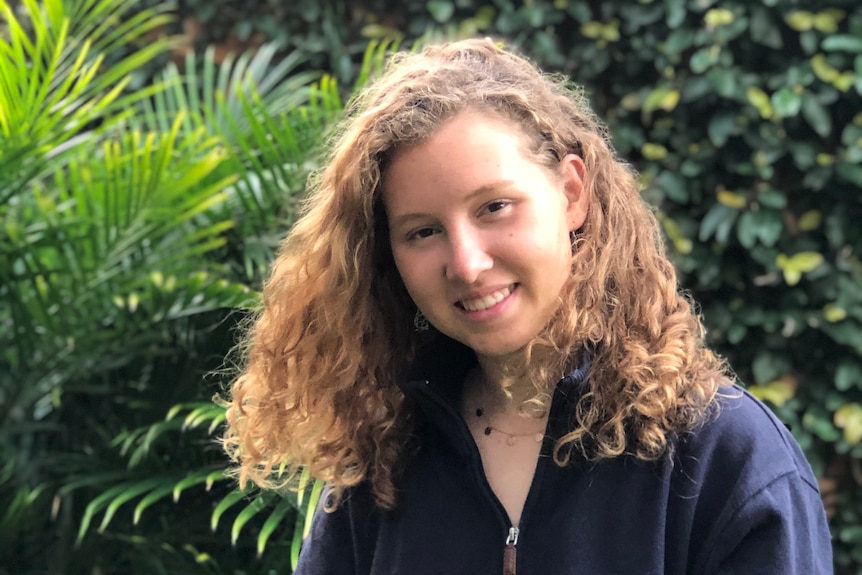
<point x="744" y="119"/>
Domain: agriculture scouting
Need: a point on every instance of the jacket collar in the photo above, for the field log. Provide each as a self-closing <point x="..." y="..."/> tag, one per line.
<point x="441" y="364"/>
<point x="433" y="383"/>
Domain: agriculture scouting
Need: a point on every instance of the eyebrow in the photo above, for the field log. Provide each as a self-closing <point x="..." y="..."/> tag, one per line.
<point x="496" y="185"/>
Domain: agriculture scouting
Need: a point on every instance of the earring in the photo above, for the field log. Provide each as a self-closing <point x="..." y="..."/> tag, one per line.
<point x="420" y="322"/>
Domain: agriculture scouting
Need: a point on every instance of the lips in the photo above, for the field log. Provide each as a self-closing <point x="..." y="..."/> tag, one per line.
<point x="487" y="301"/>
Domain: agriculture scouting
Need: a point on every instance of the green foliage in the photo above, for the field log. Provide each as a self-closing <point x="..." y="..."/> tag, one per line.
<point x="331" y="34"/>
<point x="120" y="281"/>
<point x="137" y="218"/>
<point x="744" y="121"/>
<point x="133" y="224"/>
<point x="148" y="489"/>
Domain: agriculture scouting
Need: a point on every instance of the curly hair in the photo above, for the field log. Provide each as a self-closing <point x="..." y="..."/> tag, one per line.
<point x="318" y="390"/>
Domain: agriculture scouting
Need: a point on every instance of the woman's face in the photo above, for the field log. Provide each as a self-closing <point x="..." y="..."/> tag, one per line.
<point x="480" y="231"/>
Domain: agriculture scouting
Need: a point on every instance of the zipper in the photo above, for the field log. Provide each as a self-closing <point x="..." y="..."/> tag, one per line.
<point x="510" y="548"/>
<point x="473" y="453"/>
<point x="510" y="552"/>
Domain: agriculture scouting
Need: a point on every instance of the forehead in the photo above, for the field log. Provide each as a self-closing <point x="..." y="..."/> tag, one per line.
<point x="465" y="152"/>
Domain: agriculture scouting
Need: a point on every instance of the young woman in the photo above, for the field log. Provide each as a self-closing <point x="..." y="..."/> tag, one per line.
<point x="474" y="336"/>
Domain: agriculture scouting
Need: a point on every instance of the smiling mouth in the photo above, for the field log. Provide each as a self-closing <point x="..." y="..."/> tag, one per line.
<point x="486" y="302"/>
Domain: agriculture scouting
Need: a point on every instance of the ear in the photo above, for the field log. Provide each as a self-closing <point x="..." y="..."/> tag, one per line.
<point x="576" y="194"/>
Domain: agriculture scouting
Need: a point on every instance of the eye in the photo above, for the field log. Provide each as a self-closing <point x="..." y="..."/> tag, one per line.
<point x="421" y="233"/>
<point x="496" y="206"/>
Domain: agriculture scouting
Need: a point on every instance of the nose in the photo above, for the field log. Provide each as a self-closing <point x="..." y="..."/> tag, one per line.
<point x="468" y="256"/>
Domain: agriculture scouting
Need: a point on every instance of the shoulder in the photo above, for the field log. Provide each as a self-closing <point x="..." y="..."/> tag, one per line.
<point x="340" y="540"/>
<point x="740" y="456"/>
<point x="741" y="436"/>
<point x="753" y="495"/>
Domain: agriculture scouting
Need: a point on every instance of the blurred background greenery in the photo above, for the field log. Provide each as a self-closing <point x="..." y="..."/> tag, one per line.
<point x="151" y="157"/>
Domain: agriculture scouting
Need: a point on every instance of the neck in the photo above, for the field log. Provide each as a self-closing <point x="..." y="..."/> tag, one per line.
<point x="502" y="383"/>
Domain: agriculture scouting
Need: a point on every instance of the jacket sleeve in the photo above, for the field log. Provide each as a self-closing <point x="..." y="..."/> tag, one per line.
<point x="780" y="529"/>
<point x="338" y="541"/>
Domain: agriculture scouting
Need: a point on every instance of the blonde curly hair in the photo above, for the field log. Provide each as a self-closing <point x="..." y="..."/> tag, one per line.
<point x="318" y="389"/>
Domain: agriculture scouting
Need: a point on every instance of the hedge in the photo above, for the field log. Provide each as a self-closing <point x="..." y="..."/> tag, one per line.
<point x="745" y="122"/>
<point x="743" y="118"/>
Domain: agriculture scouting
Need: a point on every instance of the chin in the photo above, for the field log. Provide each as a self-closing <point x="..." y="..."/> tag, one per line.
<point x="497" y="349"/>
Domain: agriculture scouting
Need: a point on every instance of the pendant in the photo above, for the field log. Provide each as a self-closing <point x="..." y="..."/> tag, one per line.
<point x="510" y="440"/>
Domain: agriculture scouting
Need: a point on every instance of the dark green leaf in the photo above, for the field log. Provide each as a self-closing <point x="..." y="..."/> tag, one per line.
<point x="772" y="199"/>
<point x="816" y="114"/>
<point x="717" y="223"/>
<point x="244" y="29"/>
<point x="736" y="333"/>
<point x="846" y="332"/>
<point x="769" y="226"/>
<point x="675" y="10"/>
<point x="764" y="30"/>
<point x="534" y="15"/>
<point x="723" y="81"/>
<point x="850" y="172"/>
<point x="842" y="43"/>
<point x="848" y="374"/>
<point x="580" y="11"/>
<point x="674" y="186"/>
<point x="821" y="425"/>
<point x="720" y="128"/>
<point x="768" y="366"/>
<point x="851" y="135"/>
<point x="851" y="534"/>
<point x="746" y="230"/>
<point x="786" y="102"/>
<point x="808" y="40"/>
<point x="703" y="59"/>
<point x="678" y="41"/>
<point x="441" y="10"/>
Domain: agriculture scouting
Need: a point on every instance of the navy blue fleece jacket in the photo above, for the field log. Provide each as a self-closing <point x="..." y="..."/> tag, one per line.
<point x="736" y="497"/>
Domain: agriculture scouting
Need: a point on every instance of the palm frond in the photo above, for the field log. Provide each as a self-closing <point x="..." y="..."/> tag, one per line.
<point x="55" y="87"/>
<point x="116" y="209"/>
<point x="374" y="61"/>
<point x="275" y="520"/>
<point x="290" y="512"/>
<point x="211" y="94"/>
<point x="112" y="226"/>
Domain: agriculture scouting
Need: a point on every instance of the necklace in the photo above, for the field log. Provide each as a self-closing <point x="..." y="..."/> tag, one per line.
<point x="511" y="438"/>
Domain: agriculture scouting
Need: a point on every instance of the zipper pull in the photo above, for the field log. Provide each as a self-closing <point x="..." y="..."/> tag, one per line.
<point x="510" y="551"/>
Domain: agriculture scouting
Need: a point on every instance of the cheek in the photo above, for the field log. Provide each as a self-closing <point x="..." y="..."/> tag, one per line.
<point x="400" y="264"/>
<point x="559" y="261"/>
<point x="410" y="270"/>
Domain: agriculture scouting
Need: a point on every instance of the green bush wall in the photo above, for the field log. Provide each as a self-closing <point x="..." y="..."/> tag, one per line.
<point x="745" y="121"/>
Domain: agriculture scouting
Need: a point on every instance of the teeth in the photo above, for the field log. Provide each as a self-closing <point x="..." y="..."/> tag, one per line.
<point x="487" y="301"/>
